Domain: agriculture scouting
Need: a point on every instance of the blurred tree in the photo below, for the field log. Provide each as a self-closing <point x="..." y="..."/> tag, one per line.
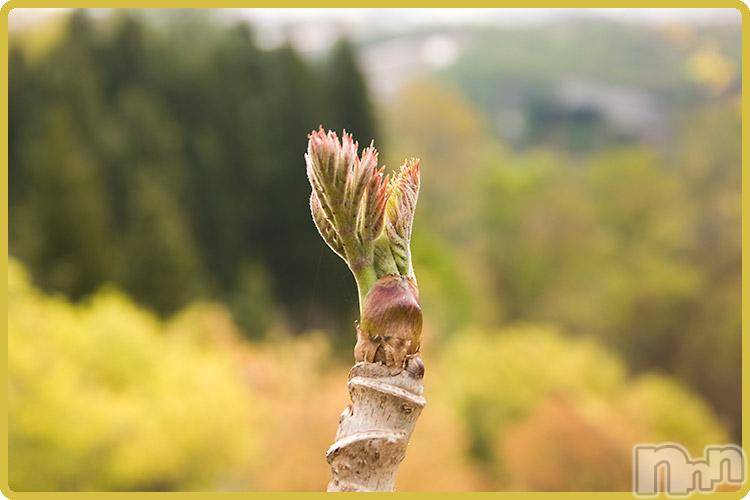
<point x="629" y="248"/>
<point x="643" y="212"/>
<point x="536" y="424"/>
<point x="672" y="413"/>
<point x="59" y="217"/>
<point x="347" y="91"/>
<point x="175" y="165"/>
<point x="541" y="241"/>
<point x="559" y="447"/>
<point x="159" y="261"/>
<point x="510" y="374"/>
<point x="18" y="95"/>
<point x="61" y="226"/>
<point x="101" y="399"/>
<point x="709" y="153"/>
<point x="452" y="142"/>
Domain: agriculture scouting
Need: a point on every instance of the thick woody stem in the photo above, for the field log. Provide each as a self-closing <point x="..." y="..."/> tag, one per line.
<point x="374" y="430"/>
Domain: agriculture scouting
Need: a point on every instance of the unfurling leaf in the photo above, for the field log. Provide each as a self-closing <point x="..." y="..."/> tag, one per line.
<point x="348" y="198"/>
<point x="399" y="214"/>
<point x="329" y="163"/>
<point x="372" y="214"/>
<point x="325" y="227"/>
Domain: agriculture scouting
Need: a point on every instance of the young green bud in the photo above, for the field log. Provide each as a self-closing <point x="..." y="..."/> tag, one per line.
<point x="402" y="201"/>
<point x="367" y="220"/>
<point x="348" y="199"/>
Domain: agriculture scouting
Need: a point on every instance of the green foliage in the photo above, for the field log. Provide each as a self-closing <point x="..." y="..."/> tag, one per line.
<point x="158" y="168"/>
<point x="504" y="388"/>
<point x="443" y="284"/>
<point x="347" y="90"/>
<point x="101" y="398"/>
<point x="510" y="373"/>
<point x="105" y="396"/>
<point x="672" y="413"/>
<point x="615" y="247"/>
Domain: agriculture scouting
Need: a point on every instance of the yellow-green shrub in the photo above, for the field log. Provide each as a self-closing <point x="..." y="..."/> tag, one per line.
<point x="558" y="447"/>
<point x="100" y="398"/>
<point x="104" y="396"/>
<point x="546" y="411"/>
<point x="494" y="379"/>
<point x="671" y="412"/>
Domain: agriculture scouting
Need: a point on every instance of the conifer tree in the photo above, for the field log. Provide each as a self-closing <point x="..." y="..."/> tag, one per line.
<point x="347" y="90"/>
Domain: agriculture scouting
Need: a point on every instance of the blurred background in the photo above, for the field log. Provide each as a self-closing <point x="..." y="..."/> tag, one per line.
<point x="176" y="322"/>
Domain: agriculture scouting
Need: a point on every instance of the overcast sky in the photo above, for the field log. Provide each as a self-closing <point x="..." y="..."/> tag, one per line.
<point x="486" y="16"/>
<point x="397" y="19"/>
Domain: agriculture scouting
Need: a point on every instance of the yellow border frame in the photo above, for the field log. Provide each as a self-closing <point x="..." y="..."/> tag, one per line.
<point x="14" y="4"/>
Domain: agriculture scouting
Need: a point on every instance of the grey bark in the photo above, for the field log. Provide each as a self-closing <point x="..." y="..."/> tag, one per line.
<point x="374" y="430"/>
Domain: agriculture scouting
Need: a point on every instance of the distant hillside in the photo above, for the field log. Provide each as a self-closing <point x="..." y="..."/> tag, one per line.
<point x="576" y="84"/>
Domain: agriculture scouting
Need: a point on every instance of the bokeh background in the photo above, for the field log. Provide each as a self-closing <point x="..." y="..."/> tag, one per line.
<point x="176" y="323"/>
